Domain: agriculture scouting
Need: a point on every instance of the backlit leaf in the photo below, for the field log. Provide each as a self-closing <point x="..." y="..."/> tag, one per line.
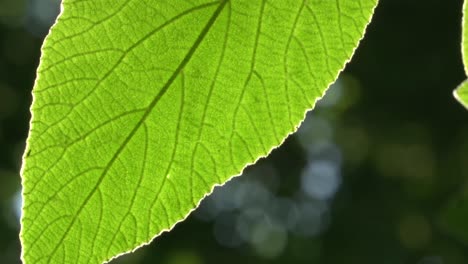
<point x="142" y="106"/>
<point x="461" y="93"/>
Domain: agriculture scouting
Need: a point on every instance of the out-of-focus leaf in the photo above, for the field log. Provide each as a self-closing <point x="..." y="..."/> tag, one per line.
<point x="461" y="93"/>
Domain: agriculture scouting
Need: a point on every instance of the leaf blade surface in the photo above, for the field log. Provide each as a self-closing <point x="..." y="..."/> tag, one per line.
<point x="461" y="93"/>
<point x="141" y="107"/>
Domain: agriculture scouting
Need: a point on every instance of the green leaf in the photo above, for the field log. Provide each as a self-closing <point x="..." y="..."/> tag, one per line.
<point x="461" y="93"/>
<point x="142" y="106"/>
<point x="452" y="219"/>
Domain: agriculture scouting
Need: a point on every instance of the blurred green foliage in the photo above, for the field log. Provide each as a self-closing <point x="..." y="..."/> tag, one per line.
<point x="390" y="126"/>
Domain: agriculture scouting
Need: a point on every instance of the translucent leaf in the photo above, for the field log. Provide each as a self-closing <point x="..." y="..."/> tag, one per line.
<point x="142" y="106"/>
<point x="461" y="93"/>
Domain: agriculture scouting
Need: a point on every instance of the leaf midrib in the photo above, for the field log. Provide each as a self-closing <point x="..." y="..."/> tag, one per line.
<point x="151" y="106"/>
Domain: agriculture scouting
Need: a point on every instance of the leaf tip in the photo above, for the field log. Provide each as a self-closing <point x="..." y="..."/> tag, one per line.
<point x="461" y="94"/>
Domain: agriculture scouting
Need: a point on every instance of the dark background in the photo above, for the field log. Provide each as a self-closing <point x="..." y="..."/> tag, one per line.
<point x="376" y="174"/>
